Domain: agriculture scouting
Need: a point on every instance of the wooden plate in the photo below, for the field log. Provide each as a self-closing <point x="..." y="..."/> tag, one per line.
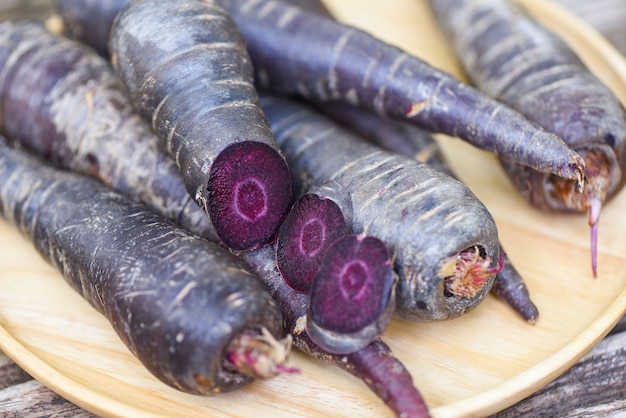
<point x="475" y="365"/>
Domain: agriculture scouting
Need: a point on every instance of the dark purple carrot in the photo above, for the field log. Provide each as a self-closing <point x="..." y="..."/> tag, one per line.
<point x="390" y="134"/>
<point x="64" y="102"/>
<point x="375" y="365"/>
<point x="188" y="309"/>
<point x="311" y="226"/>
<point x="187" y="71"/>
<point x="409" y="140"/>
<point x="352" y="297"/>
<point x="314" y="222"/>
<point x="89" y="21"/>
<point x="299" y="52"/>
<point x="520" y="63"/>
<point x="349" y="278"/>
<point x="235" y="356"/>
<point x="430" y="222"/>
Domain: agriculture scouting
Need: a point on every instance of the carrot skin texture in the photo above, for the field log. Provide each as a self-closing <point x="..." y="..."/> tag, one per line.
<point x="187" y="71"/>
<point x="375" y="365"/>
<point x="536" y="73"/>
<point x="174" y="299"/>
<point x="89" y="21"/>
<point x="416" y="201"/>
<point x="321" y="60"/>
<point x="409" y="140"/>
<point x="85" y="121"/>
<point x="406" y="139"/>
<point x="398" y="390"/>
<point x="513" y="291"/>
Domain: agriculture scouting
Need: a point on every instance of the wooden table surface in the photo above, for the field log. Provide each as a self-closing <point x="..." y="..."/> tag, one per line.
<point x="593" y="387"/>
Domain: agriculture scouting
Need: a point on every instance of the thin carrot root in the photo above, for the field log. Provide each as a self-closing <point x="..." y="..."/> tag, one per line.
<point x="591" y="201"/>
<point x="260" y="355"/>
<point x="595" y="205"/>
<point x="466" y="273"/>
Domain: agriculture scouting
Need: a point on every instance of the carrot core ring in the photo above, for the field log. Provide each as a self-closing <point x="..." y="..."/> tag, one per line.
<point x="246" y="198"/>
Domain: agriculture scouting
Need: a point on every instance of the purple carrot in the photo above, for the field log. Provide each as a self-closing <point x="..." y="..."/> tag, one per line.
<point x="303" y="240"/>
<point x="186" y="68"/>
<point x="89" y="21"/>
<point x="431" y="222"/>
<point x="349" y="278"/>
<point x="396" y="389"/>
<point x="185" y="307"/>
<point x="409" y="140"/>
<point x="375" y="365"/>
<point x="298" y="52"/>
<point x="515" y="60"/>
<point x="64" y="102"/>
<point x="352" y="296"/>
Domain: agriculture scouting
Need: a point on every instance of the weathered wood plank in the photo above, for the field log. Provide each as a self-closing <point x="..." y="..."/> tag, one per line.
<point x="593" y="387"/>
<point x="10" y="373"/>
<point x="32" y="399"/>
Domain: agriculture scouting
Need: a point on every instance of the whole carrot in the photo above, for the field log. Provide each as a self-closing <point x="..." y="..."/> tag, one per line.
<point x="299" y="52"/>
<point x="64" y="102"/>
<point x="186" y="68"/>
<point x="442" y="238"/>
<point x="195" y="315"/>
<point x="520" y="63"/>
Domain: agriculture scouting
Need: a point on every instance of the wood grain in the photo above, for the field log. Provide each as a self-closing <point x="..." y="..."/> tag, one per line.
<point x="592" y="386"/>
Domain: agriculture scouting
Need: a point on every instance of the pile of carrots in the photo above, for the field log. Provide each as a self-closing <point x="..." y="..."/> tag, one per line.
<point x="222" y="179"/>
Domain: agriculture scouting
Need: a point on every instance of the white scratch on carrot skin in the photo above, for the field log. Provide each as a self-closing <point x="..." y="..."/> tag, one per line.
<point x="236" y="300"/>
<point x="266" y="8"/>
<point x="372" y="175"/>
<point x="312" y="140"/>
<point x="182" y="294"/>
<point x="287" y="17"/>
<point x="248" y="6"/>
<point x="358" y="162"/>
<point x="333" y="79"/>
<point x="379" y="99"/>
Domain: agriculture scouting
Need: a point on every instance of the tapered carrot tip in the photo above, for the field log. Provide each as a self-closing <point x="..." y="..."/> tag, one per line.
<point x="595" y="205"/>
<point x="310" y="228"/>
<point x="248" y="194"/>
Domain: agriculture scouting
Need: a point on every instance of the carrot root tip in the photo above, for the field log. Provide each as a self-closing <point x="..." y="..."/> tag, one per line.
<point x="595" y="205"/>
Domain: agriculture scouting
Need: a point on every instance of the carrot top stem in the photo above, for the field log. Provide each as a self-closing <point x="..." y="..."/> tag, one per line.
<point x="259" y="354"/>
<point x="467" y="272"/>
